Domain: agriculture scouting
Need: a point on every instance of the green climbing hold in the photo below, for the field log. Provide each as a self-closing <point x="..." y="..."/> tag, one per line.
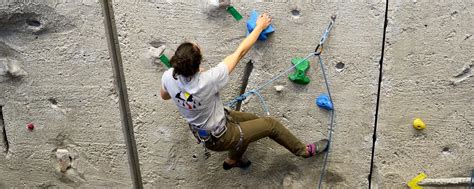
<point x="300" y="71"/>
<point x="165" y="61"/>
<point x="234" y="13"/>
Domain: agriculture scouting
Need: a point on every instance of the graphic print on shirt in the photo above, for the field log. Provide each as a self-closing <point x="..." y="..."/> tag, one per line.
<point x="187" y="100"/>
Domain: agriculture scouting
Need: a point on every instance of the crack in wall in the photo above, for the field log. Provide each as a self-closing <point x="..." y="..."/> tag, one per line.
<point x="465" y="74"/>
<point x="374" y="136"/>
<point x="6" y="143"/>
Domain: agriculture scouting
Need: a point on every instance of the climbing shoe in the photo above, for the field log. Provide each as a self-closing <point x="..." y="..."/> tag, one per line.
<point x="317" y="147"/>
<point x="241" y="163"/>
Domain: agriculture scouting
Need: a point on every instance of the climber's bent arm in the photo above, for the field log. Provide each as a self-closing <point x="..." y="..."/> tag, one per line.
<point x="164" y="94"/>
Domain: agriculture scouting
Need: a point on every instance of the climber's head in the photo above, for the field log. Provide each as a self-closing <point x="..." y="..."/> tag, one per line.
<point x="186" y="60"/>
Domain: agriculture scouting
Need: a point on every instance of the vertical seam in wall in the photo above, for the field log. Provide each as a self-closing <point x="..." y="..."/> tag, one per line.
<point x="4" y="131"/>
<point x="374" y="136"/>
<point x="119" y="76"/>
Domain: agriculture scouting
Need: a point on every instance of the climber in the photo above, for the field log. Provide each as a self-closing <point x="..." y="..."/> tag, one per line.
<point x="196" y="94"/>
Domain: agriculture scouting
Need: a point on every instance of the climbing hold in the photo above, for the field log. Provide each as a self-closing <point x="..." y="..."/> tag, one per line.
<point x="234" y="13"/>
<point x="413" y="184"/>
<point x="160" y="53"/>
<point x="64" y="159"/>
<point x="11" y="68"/>
<point x="418" y="124"/>
<point x="165" y="60"/>
<point x="30" y="126"/>
<point x="279" y="88"/>
<point x="324" y="102"/>
<point x="300" y="71"/>
<point x="252" y="23"/>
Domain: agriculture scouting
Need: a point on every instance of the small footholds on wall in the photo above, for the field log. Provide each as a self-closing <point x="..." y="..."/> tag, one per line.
<point x="446" y="150"/>
<point x="279" y="88"/>
<point x="419" y="124"/>
<point x="295" y="13"/>
<point x="64" y="159"/>
<point x="30" y="126"/>
<point x="340" y="66"/>
<point x="323" y="101"/>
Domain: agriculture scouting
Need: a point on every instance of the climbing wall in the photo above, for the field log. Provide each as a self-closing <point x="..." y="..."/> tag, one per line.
<point x="60" y="121"/>
<point x="427" y="74"/>
<point x="59" y="115"/>
<point x="168" y="153"/>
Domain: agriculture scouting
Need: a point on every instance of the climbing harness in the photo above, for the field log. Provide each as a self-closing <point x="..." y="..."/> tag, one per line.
<point x="203" y="135"/>
<point x="317" y="52"/>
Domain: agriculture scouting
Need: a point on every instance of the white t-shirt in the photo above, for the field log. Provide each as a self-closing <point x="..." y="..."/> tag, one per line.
<point x="197" y="98"/>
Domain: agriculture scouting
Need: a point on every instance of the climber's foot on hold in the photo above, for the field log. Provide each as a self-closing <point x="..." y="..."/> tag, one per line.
<point x="229" y="164"/>
<point x="317" y="147"/>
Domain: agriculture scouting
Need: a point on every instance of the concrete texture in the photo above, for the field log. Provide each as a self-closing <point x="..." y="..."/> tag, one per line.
<point x="67" y="94"/>
<point x="166" y="147"/>
<point x="426" y="74"/>
<point x="55" y="74"/>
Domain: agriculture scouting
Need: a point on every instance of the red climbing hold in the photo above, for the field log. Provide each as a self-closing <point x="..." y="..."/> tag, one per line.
<point x="30" y="126"/>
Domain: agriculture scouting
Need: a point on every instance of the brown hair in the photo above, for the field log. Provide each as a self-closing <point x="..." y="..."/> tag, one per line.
<point x="186" y="60"/>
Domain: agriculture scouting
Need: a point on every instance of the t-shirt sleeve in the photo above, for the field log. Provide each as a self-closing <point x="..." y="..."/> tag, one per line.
<point x="218" y="76"/>
<point x="164" y="78"/>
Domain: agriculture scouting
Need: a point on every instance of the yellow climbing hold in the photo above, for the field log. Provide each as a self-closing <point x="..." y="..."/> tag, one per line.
<point x="418" y="124"/>
<point x="413" y="184"/>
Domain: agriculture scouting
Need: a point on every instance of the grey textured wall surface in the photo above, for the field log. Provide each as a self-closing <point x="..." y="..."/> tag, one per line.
<point x="67" y="93"/>
<point x="55" y="72"/>
<point x="165" y="144"/>
<point x="427" y="74"/>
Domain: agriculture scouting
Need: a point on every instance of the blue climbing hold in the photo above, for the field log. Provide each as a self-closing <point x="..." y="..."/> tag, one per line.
<point x="252" y="23"/>
<point x="324" y="102"/>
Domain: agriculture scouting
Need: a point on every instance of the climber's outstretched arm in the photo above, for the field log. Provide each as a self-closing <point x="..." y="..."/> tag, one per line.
<point x="232" y="60"/>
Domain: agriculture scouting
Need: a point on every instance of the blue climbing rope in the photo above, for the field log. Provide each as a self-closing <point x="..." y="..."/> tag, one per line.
<point x="325" y="161"/>
<point x="317" y="52"/>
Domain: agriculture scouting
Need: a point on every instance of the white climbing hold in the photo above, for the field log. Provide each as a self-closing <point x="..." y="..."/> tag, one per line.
<point x="218" y="3"/>
<point x="12" y="68"/>
<point x="157" y="52"/>
<point x="64" y="158"/>
<point x="279" y="88"/>
<point x="214" y="7"/>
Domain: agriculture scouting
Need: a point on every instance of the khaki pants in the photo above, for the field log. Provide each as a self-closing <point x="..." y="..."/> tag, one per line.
<point x="254" y="128"/>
